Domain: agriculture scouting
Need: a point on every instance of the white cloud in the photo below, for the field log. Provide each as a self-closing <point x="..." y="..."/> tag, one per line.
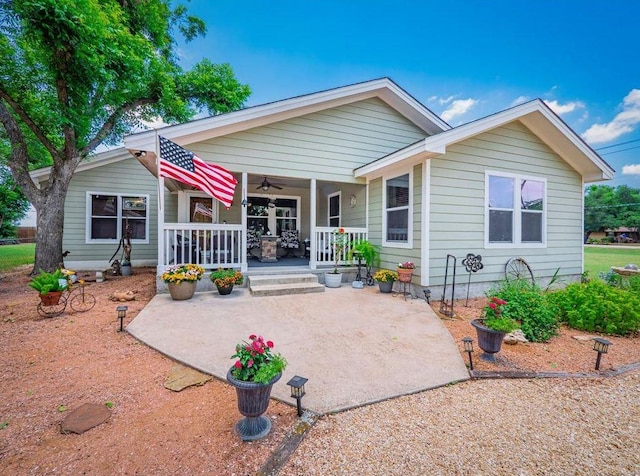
<point x="624" y="122"/>
<point x="444" y="101"/>
<point x="432" y="98"/>
<point x="564" y="108"/>
<point x="519" y="100"/>
<point x="631" y="169"/>
<point x="458" y="108"/>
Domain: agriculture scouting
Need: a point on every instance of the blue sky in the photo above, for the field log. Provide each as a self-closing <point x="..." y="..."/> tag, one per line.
<point x="461" y="59"/>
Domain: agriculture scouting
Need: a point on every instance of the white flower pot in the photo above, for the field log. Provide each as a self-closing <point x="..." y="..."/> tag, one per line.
<point x="332" y="280"/>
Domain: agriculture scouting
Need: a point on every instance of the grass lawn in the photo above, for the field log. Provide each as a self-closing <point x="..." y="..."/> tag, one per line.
<point x="597" y="259"/>
<point x="16" y="255"/>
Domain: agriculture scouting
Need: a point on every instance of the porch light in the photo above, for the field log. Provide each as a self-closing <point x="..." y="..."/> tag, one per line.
<point x="601" y="346"/>
<point x="468" y="348"/>
<point x="122" y="313"/>
<point x="297" y="390"/>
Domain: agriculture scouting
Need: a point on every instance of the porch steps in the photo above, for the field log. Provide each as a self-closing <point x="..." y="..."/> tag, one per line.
<point x="281" y="284"/>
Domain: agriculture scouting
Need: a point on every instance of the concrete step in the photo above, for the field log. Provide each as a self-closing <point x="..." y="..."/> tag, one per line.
<point x="268" y="279"/>
<point x="283" y="289"/>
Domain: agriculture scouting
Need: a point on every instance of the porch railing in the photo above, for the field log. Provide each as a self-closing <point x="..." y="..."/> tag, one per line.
<point x="210" y="246"/>
<point x="325" y="254"/>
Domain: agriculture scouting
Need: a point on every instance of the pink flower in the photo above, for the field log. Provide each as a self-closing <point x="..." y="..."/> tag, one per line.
<point x="257" y="346"/>
<point x="260" y="350"/>
<point x="250" y="363"/>
<point x="270" y="344"/>
<point x="238" y="364"/>
<point x="252" y="336"/>
<point x="493" y="305"/>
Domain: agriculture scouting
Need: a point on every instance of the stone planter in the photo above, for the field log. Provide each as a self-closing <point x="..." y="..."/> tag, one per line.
<point x="385" y="286"/>
<point x="332" y="280"/>
<point x="253" y="401"/>
<point x="182" y="291"/>
<point x="489" y="341"/>
<point x="224" y="290"/>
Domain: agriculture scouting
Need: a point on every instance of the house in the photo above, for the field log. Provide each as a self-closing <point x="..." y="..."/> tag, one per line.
<point x="367" y="157"/>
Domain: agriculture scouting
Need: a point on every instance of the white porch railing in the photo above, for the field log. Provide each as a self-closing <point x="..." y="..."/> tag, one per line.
<point x="323" y="253"/>
<point x="210" y="246"/>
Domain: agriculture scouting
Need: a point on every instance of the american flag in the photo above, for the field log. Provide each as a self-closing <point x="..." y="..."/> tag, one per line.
<point x="186" y="167"/>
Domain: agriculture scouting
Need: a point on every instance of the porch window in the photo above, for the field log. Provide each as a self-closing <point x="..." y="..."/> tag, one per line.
<point x="334" y="209"/>
<point x="515" y="209"/>
<point x="109" y="214"/>
<point x="272" y="214"/>
<point x="397" y="199"/>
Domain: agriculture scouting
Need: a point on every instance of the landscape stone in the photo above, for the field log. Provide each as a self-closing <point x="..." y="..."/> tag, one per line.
<point x="515" y="337"/>
<point x="84" y="418"/>
<point x="181" y="377"/>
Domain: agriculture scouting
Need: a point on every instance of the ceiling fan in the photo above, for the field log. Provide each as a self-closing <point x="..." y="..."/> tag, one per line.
<point x="266" y="185"/>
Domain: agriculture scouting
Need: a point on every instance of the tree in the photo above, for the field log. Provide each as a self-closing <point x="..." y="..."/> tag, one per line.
<point x="607" y="207"/>
<point x="13" y="204"/>
<point x="77" y="73"/>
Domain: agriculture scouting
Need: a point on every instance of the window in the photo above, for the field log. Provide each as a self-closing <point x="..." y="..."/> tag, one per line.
<point x="397" y="201"/>
<point x="201" y="210"/>
<point x="109" y="215"/>
<point x="334" y="209"/>
<point x="515" y="209"/>
<point x="272" y="214"/>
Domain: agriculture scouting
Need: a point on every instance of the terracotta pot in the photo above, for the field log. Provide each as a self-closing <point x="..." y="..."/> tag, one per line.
<point x="405" y="275"/>
<point x="253" y="401"/>
<point x="51" y="298"/>
<point x="182" y="291"/>
<point x="489" y="340"/>
<point x="224" y="290"/>
<point x="332" y="280"/>
<point x="385" y="286"/>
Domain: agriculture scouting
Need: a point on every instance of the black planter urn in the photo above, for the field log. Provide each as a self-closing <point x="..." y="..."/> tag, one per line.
<point x="489" y="340"/>
<point x="253" y="401"/>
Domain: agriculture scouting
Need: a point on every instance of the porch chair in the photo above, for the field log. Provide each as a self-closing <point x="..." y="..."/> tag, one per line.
<point x="253" y="241"/>
<point x="289" y="241"/>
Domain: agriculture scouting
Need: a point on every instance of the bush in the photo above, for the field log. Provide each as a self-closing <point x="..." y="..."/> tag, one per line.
<point x="529" y="305"/>
<point x="598" y="307"/>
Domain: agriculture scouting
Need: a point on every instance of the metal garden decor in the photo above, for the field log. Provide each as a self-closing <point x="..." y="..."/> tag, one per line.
<point x="472" y="263"/>
<point x="446" y="307"/>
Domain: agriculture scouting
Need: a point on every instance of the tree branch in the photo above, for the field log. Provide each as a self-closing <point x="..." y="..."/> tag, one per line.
<point x="29" y="123"/>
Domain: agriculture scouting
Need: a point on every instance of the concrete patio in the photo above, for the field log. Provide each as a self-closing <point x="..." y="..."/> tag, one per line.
<point x="356" y="346"/>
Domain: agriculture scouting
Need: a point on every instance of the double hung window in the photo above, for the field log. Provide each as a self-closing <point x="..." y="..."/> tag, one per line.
<point x="109" y="215"/>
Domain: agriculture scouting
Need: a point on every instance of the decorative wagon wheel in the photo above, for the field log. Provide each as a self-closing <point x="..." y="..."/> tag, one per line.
<point x="518" y="268"/>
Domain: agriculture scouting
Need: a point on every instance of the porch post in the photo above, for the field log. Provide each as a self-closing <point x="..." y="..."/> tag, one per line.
<point x="312" y="218"/>
<point x="161" y="244"/>
<point x="243" y="243"/>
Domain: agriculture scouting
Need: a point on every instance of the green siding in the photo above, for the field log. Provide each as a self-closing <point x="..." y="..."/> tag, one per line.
<point x="325" y="145"/>
<point x="457" y="205"/>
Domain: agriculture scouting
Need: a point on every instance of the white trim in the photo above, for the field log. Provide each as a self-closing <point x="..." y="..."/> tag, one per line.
<point x="517" y="211"/>
<point x="313" y="200"/>
<point x="339" y="216"/>
<point x="215" y="126"/>
<point x="243" y="220"/>
<point x="534" y="114"/>
<point x="582" y="228"/>
<point x="426" y="223"/>
<point x="409" y="242"/>
<point x="88" y="217"/>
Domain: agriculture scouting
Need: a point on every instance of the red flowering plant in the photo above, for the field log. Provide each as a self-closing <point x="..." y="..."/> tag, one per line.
<point x="495" y="318"/>
<point x="339" y="243"/>
<point x="255" y="361"/>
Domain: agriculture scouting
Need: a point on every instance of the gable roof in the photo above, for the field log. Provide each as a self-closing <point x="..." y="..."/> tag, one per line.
<point x="535" y="115"/>
<point x="224" y="124"/>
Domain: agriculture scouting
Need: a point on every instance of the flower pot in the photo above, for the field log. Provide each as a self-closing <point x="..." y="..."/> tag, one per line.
<point x="126" y="270"/>
<point x="182" y="290"/>
<point x="489" y="340"/>
<point x="51" y="298"/>
<point x="253" y="401"/>
<point x="405" y="275"/>
<point x="332" y="280"/>
<point x="385" y="286"/>
<point x="224" y="290"/>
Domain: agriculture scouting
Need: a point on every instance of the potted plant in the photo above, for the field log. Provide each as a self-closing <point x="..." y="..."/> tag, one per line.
<point x="405" y="271"/>
<point x="253" y="374"/>
<point x="492" y="327"/>
<point x="225" y="278"/>
<point x="182" y="280"/>
<point x="385" y="279"/>
<point x="364" y="250"/>
<point x="49" y="286"/>
<point x="339" y="241"/>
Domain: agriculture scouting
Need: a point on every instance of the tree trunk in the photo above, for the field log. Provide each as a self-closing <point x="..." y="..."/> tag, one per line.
<point x="49" y="206"/>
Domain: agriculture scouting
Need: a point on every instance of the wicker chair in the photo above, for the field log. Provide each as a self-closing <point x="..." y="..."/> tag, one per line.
<point x="289" y="241"/>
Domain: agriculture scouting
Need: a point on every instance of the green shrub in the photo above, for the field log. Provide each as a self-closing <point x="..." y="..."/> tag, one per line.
<point x="529" y="305"/>
<point x="598" y="307"/>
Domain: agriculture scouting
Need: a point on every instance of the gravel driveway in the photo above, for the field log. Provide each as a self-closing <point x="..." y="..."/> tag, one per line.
<point x="492" y="427"/>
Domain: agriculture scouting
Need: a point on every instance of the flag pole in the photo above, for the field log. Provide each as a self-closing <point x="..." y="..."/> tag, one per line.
<point x="161" y="240"/>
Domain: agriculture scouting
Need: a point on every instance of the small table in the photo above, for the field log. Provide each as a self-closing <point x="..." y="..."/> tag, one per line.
<point x="268" y="248"/>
